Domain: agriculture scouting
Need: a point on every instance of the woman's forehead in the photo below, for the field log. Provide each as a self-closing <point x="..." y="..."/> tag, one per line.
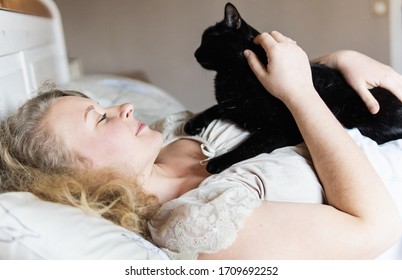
<point x="70" y="103"/>
<point x="68" y="108"/>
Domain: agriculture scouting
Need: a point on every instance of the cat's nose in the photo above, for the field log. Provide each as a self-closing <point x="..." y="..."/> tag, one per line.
<point x="204" y="59"/>
<point x="197" y="54"/>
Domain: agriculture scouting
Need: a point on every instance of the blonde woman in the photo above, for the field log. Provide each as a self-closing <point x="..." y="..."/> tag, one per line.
<point x="129" y="168"/>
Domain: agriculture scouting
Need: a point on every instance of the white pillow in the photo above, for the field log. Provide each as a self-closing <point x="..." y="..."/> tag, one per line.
<point x="31" y="228"/>
<point x="150" y="102"/>
<point x="34" y="229"/>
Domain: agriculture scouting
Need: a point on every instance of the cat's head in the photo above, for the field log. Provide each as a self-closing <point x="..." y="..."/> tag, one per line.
<point x="223" y="44"/>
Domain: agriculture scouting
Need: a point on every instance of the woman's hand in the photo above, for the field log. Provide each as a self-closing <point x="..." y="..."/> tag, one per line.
<point x="364" y="73"/>
<point x="288" y="72"/>
<point x="361" y="220"/>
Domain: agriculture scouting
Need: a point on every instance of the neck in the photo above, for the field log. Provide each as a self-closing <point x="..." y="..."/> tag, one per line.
<point x="177" y="170"/>
<point x="164" y="183"/>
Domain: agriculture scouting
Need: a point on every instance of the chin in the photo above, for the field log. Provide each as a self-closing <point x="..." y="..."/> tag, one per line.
<point x="157" y="139"/>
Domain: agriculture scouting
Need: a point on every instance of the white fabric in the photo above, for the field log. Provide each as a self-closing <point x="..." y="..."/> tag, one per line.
<point x="34" y="229"/>
<point x="31" y="228"/>
<point x="193" y="223"/>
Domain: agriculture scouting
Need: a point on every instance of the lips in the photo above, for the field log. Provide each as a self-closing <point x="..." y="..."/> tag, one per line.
<point x="141" y="125"/>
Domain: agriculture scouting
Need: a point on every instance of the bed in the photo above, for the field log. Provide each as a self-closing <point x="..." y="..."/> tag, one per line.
<point x="32" y="50"/>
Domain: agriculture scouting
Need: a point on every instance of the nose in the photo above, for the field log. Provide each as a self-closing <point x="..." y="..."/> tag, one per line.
<point x="126" y="110"/>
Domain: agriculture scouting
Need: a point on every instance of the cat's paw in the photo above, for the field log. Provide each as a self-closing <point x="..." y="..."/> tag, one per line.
<point x="193" y="128"/>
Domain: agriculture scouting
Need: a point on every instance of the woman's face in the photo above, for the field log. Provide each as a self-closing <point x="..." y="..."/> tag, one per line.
<point x="109" y="137"/>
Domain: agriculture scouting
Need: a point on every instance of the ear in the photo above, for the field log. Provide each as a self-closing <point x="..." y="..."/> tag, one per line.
<point x="232" y="16"/>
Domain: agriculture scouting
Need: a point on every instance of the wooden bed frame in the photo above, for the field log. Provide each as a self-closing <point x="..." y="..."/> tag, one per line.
<point x="34" y="7"/>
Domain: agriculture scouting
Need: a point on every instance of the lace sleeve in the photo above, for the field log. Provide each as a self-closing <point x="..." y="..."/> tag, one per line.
<point x="205" y="220"/>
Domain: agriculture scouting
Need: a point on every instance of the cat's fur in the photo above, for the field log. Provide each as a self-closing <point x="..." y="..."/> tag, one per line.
<point x="242" y="99"/>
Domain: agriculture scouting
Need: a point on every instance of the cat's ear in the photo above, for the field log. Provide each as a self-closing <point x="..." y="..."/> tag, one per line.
<point x="232" y="16"/>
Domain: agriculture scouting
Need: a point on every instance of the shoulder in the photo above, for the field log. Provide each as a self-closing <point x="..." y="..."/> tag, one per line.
<point x="172" y="126"/>
<point x="183" y="225"/>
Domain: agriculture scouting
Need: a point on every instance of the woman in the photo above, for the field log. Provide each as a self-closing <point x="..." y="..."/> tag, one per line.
<point x="83" y="138"/>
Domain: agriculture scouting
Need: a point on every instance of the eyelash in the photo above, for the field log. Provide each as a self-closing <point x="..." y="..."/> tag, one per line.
<point x="102" y="118"/>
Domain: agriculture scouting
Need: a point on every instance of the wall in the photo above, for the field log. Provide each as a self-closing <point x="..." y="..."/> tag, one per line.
<point x="160" y="36"/>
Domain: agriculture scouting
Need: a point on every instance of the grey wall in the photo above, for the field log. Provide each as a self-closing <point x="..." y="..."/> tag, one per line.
<point x="160" y="36"/>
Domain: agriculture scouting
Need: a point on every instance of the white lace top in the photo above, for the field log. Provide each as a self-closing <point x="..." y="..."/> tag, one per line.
<point x="206" y="219"/>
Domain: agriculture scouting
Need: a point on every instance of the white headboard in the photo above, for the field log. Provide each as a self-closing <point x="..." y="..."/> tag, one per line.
<point x="32" y="50"/>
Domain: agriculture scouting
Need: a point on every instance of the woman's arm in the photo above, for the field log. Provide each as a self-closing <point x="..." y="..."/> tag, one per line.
<point x="364" y="73"/>
<point x="361" y="220"/>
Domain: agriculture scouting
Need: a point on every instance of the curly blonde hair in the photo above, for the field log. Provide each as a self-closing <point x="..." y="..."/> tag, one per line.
<point x="32" y="159"/>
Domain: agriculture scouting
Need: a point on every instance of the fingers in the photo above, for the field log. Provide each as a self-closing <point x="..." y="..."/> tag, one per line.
<point x="372" y="104"/>
<point x="275" y="35"/>
<point x="393" y="84"/>
<point x="255" y="64"/>
<point x="279" y="37"/>
<point x="266" y="41"/>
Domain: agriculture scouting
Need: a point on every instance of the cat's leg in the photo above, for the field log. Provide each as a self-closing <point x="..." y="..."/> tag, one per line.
<point x="203" y="119"/>
<point x="258" y="142"/>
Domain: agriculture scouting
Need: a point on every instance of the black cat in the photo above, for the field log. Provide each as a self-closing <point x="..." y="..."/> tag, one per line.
<point x="242" y="99"/>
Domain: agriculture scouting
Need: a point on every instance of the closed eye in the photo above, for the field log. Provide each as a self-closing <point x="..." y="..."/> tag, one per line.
<point x="102" y="118"/>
